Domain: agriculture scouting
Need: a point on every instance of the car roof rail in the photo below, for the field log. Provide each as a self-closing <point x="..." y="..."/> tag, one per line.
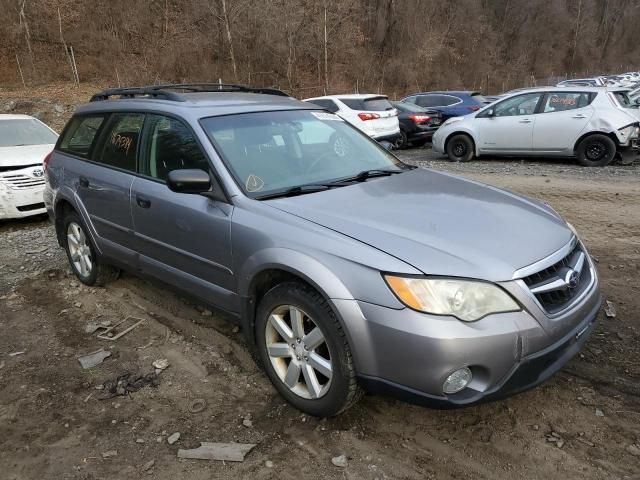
<point x="167" y="92"/>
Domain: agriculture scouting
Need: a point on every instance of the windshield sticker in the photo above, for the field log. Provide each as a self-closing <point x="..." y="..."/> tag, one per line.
<point x="254" y="183"/>
<point x="326" y="116"/>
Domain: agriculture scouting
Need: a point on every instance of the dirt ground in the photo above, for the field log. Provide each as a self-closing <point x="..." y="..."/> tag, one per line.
<point x="54" y="424"/>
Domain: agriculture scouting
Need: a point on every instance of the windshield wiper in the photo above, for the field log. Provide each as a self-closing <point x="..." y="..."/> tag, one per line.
<point x="365" y="174"/>
<point x="299" y="190"/>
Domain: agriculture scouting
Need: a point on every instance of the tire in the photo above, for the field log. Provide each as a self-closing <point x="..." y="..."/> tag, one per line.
<point x="81" y="253"/>
<point x="403" y="141"/>
<point x="596" y="150"/>
<point x="287" y="361"/>
<point x="460" y="148"/>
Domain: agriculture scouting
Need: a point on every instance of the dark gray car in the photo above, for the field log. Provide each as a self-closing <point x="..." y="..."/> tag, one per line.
<point x="347" y="269"/>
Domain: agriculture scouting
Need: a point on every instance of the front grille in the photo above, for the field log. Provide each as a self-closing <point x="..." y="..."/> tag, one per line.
<point x="554" y="287"/>
<point x="33" y="206"/>
<point x="21" y="182"/>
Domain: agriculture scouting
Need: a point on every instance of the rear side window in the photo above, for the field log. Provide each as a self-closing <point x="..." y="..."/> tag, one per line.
<point x="374" y="104"/>
<point x="562" y="101"/>
<point x="79" y="137"/>
<point x="120" y="143"/>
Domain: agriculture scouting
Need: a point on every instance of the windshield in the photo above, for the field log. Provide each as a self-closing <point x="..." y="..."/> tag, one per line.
<point x="28" y="131"/>
<point x="408" y="107"/>
<point x="372" y="104"/>
<point x="268" y="152"/>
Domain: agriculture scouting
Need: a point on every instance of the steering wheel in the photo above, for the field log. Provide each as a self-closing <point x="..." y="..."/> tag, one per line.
<point x="317" y="161"/>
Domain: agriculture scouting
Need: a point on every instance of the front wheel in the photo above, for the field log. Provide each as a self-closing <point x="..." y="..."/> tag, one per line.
<point x="460" y="148"/>
<point x="305" y="351"/>
<point x="596" y="151"/>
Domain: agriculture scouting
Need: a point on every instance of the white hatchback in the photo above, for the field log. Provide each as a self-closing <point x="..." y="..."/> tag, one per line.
<point x="582" y="122"/>
<point x="24" y="144"/>
<point x="373" y="114"/>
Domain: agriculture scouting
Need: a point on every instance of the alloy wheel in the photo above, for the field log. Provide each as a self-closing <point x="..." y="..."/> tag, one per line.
<point x="79" y="249"/>
<point x="298" y="352"/>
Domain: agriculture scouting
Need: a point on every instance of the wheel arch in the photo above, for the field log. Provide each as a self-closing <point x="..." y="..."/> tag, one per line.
<point x="611" y="135"/>
<point x="462" y="132"/>
<point x="271" y="267"/>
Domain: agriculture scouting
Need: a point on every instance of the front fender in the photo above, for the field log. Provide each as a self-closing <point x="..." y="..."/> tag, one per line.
<point x="292" y="261"/>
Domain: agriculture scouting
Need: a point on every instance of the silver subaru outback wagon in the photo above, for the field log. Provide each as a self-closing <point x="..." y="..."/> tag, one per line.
<point x="348" y="270"/>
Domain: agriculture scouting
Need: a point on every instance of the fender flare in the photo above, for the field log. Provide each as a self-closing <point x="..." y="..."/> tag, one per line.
<point x="307" y="268"/>
<point x="68" y="195"/>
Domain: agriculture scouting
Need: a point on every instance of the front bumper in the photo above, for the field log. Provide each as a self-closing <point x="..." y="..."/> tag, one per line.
<point x="410" y="354"/>
<point x="18" y="203"/>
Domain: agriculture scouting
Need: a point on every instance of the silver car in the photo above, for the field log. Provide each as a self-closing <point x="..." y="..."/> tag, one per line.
<point x="347" y="271"/>
<point x="587" y="123"/>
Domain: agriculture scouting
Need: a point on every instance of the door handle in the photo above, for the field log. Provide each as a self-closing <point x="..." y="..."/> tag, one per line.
<point x="526" y="120"/>
<point x="143" y="202"/>
<point x="579" y="116"/>
<point x="83" y="182"/>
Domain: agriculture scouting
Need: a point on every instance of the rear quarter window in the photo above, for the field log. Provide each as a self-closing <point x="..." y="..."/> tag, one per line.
<point x="81" y="134"/>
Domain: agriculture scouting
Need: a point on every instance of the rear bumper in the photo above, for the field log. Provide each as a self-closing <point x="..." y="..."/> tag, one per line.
<point x="387" y="138"/>
<point x="422" y="135"/>
<point x="630" y="152"/>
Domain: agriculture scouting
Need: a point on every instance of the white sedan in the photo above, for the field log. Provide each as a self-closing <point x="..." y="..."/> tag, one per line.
<point x="24" y="144"/>
<point x="587" y="123"/>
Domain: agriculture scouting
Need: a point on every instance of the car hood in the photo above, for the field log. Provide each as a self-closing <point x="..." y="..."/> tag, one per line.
<point x="23" y="155"/>
<point x="438" y="223"/>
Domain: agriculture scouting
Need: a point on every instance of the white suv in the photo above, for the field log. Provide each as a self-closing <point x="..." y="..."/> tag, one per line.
<point x="373" y="114"/>
<point x="582" y="122"/>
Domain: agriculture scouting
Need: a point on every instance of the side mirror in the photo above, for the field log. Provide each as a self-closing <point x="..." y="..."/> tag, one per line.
<point x="490" y="113"/>
<point x="189" y="181"/>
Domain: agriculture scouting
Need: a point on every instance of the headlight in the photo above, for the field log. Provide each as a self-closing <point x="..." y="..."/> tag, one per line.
<point x="453" y="120"/>
<point x="466" y="300"/>
<point x="630" y="131"/>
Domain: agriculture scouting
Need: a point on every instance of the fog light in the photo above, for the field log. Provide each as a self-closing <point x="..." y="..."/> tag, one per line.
<point x="457" y="381"/>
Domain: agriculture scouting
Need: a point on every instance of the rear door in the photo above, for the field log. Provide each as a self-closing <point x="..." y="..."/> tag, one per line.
<point x="183" y="239"/>
<point x="562" y="118"/>
<point x="101" y="156"/>
<point x="510" y="128"/>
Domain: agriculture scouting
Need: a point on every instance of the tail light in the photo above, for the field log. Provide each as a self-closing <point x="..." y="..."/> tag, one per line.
<point x="418" y="119"/>
<point x="368" y="116"/>
<point x="474" y="108"/>
<point x="47" y="159"/>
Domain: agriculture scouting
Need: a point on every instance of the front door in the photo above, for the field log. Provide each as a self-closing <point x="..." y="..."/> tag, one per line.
<point x="183" y="239"/>
<point x="510" y="128"/>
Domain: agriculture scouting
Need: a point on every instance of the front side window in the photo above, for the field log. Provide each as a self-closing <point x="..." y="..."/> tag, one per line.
<point x="79" y="137"/>
<point x="519" y="105"/>
<point x="171" y="146"/>
<point x="120" y="145"/>
<point x="270" y="152"/>
<point x="562" y="101"/>
<point x="27" y="131"/>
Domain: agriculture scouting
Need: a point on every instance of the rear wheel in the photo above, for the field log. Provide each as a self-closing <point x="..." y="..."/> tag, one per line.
<point x="596" y="151"/>
<point x="84" y="261"/>
<point x="402" y="141"/>
<point x="460" y="148"/>
<point x="304" y="350"/>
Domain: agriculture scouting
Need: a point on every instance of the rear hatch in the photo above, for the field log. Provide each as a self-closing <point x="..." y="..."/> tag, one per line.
<point x="381" y="117"/>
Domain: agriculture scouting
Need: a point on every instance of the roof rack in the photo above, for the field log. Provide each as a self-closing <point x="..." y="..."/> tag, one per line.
<point x="165" y="92"/>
